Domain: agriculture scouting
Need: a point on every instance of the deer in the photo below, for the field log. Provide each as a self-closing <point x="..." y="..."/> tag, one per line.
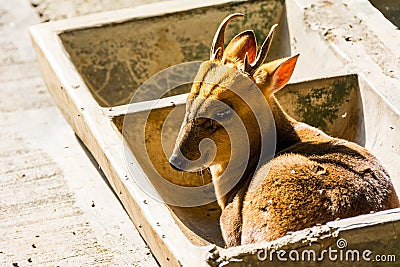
<point x="312" y="178"/>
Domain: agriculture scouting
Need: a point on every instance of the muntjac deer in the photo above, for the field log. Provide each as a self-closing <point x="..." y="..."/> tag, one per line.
<point x="312" y="179"/>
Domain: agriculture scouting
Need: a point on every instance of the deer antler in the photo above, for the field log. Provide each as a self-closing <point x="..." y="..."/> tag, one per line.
<point x="251" y="68"/>
<point x="217" y="47"/>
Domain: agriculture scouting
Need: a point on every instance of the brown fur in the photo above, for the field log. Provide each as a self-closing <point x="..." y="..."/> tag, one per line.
<point x="313" y="179"/>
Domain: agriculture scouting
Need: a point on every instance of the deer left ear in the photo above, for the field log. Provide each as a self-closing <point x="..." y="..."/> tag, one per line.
<point x="272" y="76"/>
<point x="244" y="42"/>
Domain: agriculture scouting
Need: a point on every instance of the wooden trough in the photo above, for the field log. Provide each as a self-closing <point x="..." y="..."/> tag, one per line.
<point x="94" y="65"/>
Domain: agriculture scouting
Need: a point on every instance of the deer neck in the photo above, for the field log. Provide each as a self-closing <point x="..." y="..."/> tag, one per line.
<point x="230" y="184"/>
<point x="285" y="135"/>
<point x="225" y="198"/>
<point x="285" y="126"/>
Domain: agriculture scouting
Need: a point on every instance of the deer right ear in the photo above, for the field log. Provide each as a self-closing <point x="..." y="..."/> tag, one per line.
<point x="272" y="76"/>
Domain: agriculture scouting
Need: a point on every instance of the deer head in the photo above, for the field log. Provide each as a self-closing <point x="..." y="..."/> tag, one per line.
<point x="226" y="98"/>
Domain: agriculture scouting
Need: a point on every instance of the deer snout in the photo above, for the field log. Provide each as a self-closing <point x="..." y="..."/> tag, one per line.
<point x="177" y="162"/>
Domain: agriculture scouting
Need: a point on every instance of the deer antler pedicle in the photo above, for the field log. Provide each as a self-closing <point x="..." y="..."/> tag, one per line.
<point x="217" y="47"/>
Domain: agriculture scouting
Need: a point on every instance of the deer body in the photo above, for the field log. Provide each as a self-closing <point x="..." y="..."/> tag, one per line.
<point x="313" y="178"/>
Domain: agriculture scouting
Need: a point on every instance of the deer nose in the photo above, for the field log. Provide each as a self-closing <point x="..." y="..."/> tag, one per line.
<point x="177" y="163"/>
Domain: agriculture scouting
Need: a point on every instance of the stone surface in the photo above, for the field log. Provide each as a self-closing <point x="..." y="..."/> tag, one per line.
<point x="115" y="62"/>
<point x="50" y="9"/>
<point x="352" y="55"/>
<point x="55" y="207"/>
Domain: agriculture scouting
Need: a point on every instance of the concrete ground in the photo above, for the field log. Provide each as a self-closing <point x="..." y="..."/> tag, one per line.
<point x="50" y="9"/>
<point x="56" y="209"/>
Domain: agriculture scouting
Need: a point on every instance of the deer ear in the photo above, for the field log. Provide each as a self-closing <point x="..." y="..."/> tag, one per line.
<point x="244" y="42"/>
<point x="272" y="76"/>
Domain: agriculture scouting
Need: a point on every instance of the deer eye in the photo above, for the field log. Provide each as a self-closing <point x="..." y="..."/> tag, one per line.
<point x="223" y="114"/>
